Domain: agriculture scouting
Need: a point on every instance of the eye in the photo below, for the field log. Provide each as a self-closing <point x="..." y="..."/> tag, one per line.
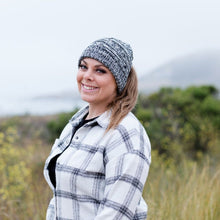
<point x="101" y="70"/>
<point x="82" y="66"/>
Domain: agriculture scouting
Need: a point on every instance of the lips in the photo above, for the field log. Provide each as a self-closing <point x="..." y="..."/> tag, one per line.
<point x="88" y="87"/>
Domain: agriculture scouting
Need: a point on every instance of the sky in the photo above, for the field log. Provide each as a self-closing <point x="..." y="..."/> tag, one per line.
<point x="41" y="40"/>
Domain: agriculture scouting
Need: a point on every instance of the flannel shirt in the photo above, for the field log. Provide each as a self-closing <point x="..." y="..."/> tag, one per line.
<point x="99" y="175"/>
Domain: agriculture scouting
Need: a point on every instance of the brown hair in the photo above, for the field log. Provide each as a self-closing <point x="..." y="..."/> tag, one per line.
<point x="125" y="101"/>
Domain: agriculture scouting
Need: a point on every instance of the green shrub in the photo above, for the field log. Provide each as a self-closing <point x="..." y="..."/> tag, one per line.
<point x="182" y="121"/>
<point x="13" y="170"/>
<point x="56" y="126"/>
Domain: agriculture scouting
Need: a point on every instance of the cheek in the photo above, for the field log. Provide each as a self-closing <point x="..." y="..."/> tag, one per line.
<point x="112" y="83"/>
<point x="79" y="79"/>
<point x="77" y="76"/>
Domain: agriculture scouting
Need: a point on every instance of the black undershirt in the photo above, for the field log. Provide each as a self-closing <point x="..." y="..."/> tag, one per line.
<point x="52" y="164"/>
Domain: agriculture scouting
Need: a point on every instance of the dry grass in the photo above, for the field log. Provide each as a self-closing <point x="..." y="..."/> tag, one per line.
<point x="174" y="192"/>
<point x="184" y="192"/>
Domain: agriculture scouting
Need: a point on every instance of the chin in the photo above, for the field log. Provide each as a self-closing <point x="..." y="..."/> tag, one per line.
<point x="87" y="99"/>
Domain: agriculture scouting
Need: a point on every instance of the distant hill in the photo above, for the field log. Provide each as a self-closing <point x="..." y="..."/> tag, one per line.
<point x="195" y="69"/>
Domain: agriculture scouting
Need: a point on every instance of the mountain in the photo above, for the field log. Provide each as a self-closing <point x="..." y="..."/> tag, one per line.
<point x="194" y="69"/>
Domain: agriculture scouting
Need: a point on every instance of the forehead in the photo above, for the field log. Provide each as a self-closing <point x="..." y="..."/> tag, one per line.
<point x="91" y="61"/>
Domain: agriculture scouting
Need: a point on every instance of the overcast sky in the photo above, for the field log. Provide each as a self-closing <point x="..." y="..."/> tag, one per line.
<point x="41" y="40"/>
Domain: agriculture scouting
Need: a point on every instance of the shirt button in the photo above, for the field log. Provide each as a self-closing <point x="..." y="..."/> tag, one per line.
<point x="76" y="137"/>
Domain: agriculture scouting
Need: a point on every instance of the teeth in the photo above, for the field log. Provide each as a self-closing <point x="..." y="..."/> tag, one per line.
<point x="88" y="87"/>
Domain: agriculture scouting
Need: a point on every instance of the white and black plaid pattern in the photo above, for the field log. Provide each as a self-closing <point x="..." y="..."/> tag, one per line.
<point x="100" y="176"/>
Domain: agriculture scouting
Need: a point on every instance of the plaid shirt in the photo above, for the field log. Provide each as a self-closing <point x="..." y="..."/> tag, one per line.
<point x="99" y="176"/>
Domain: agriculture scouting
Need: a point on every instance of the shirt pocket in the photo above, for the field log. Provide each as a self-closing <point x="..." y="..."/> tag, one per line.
<point x="84" y="157"/>
<point x="81" y="172"/>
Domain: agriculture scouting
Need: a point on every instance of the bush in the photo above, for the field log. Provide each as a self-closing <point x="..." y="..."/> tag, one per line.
<point x="182" y="121"/>
<point x="56" y="126"/>
<point x="13" y="171"/>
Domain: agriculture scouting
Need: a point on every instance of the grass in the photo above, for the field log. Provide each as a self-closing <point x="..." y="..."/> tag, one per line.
<point x="187" y="190"/>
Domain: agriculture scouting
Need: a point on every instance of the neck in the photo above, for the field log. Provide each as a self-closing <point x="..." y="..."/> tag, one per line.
<point x="95" y="111"/>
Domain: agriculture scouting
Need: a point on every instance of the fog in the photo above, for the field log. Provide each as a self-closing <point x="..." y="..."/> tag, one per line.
<point x="42" y="40"/>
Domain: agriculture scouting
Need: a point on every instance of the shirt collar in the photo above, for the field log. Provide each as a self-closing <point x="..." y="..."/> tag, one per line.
<point x="75" y="120"/>
<point x="102" y="120"/>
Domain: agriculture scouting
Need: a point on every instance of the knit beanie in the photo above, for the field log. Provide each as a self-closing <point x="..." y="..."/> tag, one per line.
<point x="116" y="55"/>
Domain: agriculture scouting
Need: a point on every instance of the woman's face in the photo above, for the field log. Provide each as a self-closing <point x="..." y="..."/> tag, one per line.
<point x="96" y="83"/>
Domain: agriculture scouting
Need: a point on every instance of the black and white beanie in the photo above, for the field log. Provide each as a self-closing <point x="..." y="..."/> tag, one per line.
<point x="116" y="55"/>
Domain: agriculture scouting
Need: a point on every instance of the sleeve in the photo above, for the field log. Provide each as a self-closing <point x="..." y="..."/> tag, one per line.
<point x="126" y="174"/>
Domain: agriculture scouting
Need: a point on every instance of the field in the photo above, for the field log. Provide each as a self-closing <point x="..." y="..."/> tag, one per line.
<point x="189" y="190"/>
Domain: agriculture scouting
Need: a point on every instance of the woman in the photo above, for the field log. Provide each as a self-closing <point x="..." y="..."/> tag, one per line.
<point x="98" y="167"/>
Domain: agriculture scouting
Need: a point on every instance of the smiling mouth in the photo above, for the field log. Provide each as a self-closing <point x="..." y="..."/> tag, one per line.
<point x="88" y="87"/>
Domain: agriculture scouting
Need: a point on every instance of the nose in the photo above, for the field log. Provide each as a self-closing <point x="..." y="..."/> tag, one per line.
<point x="88" y="75"/>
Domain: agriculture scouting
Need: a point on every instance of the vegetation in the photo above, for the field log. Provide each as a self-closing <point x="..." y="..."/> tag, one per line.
<point x="188" y="190"/>
<point x="55" y="127"/>
<point x="182" y="123"/>
<point x="184" y="179"/>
